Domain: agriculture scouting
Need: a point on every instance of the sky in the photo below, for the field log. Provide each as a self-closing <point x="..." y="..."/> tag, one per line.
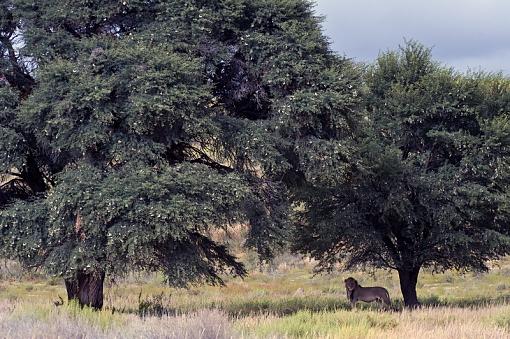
<point x="465" y="34"/>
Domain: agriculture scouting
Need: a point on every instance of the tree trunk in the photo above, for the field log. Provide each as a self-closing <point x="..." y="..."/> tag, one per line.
<point x="90" y="289"/>
<point x="87" y="289"/>
<point x="408" y="279"/>
<point x="71" y="288"/>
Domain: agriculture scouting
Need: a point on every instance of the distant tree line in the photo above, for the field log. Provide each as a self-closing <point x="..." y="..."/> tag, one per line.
<point x="131" y="130"/>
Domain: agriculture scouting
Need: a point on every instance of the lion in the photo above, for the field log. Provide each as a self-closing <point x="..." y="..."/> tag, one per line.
<point x="355" y="293"/>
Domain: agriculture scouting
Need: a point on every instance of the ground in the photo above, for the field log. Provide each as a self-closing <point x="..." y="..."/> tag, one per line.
<point x="285" y="301"/>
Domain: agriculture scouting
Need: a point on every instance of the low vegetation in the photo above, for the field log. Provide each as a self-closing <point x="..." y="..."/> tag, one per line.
<point x="286" y="301"/>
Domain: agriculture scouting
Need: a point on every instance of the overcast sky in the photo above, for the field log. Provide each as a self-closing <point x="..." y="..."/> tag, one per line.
<point x="466" y="34"/>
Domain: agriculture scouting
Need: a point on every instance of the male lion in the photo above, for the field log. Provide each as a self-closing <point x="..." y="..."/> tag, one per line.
<point x="356" y="293"/>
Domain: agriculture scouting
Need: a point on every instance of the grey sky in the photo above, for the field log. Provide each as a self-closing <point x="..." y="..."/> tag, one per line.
<point x="465" y="34"/>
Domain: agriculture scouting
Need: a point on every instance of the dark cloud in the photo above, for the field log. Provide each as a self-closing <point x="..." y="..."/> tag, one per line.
<point x="463" y="33"/>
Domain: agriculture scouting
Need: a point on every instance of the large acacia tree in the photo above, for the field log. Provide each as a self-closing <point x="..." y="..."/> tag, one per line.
<point x="132" y="129"/>
<point x="428" y="182"/>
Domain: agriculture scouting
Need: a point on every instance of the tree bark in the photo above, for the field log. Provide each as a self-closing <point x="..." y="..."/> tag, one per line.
<point x="90" y="289"/>
<point x="71" y="288"/>
<point x="408" y="279"/>
<point x="87" y="289"/>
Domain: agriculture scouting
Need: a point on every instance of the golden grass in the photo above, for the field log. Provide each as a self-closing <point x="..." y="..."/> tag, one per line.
<point x="455" y="323"/>
<point x="286" y="302"/>
<point x="24" y="320"/>
<point x="443" y="322"/>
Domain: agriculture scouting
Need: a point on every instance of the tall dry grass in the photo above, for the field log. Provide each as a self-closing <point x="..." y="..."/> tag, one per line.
<point x="442" y="322"/>
<point x="24" y="320"/>
<point x="452" y="323"/>
<point x="286" y="301"/>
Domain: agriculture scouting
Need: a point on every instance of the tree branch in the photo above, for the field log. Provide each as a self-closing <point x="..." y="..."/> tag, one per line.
<point x="16" y="77"/>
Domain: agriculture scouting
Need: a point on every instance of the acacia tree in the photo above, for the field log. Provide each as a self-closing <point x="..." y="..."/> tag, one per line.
<point x="428" y="186"/>
<point x="145" y="125"/>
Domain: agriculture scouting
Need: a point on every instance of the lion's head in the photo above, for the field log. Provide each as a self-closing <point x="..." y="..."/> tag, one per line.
<point x="350" y="283"/>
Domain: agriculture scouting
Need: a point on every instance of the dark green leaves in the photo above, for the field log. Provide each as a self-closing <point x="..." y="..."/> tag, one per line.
<point x="426" y="184"/>
<point x="152" y="124"/>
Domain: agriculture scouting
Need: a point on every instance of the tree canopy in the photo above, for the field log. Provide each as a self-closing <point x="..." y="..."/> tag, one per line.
<point x="132" y="129"/>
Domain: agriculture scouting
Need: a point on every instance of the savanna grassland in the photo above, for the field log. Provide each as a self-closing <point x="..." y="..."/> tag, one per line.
<point x="283" y="301"/>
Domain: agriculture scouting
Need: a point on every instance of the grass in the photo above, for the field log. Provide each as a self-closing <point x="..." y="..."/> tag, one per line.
<point x="286" y="302"/>
<point x="308" y="324"/>
<point x="24" y="320"/>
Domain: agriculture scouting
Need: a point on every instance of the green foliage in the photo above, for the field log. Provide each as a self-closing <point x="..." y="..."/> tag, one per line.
<point x="13" y="146"/>
<point x="428" y="183"/>
<point x="431" y="183"/>
<point x="24" y="232"/>
<point x="149" y="124"/>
